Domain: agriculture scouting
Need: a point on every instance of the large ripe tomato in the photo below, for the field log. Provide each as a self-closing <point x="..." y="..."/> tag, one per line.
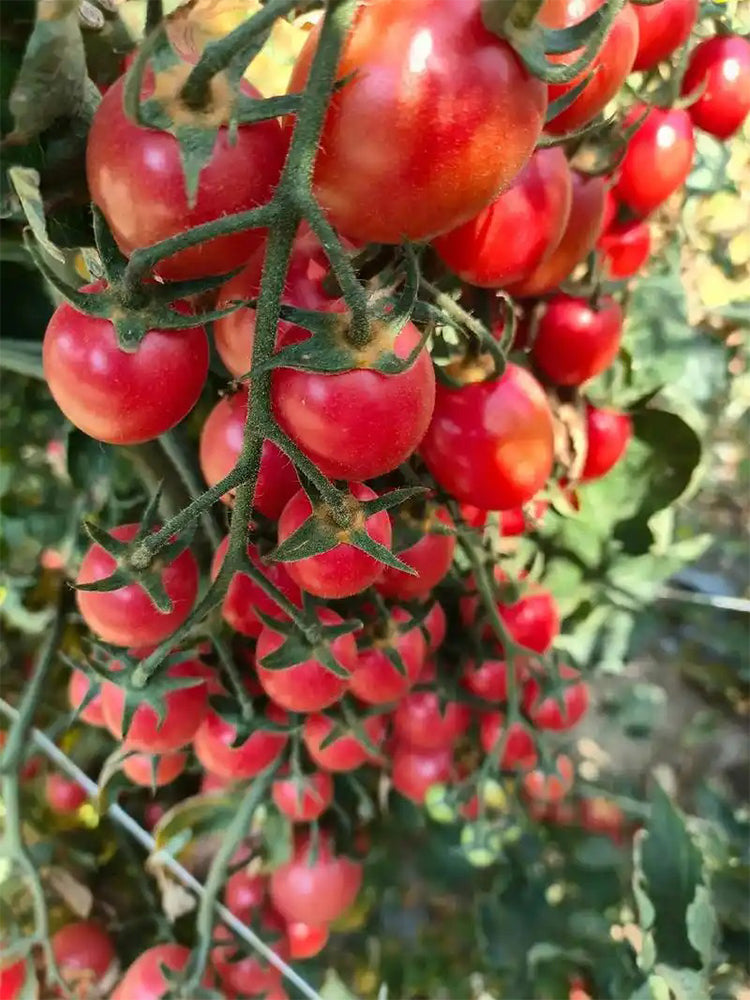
<point x="658" y="158"/>
<point x="608" y="433"/>
<point x="63" y="795"/>
<point x="184" y="709"/>
<point x="307" y="685"/>
<point x="315" y="886"/>
<point x="576" y="340"/>
<point x="85" y="956"/>
<point x="491" y="443"/>
<point x="545" y="711"/>
<point x="547" y="788"/>
<point x="608" y="69"/>
<point x="581" y="233"/>
<point x="439" y="116"/>
<point x="431" y="556"/>
<point x="345" y="752"/>
<point x="376" y="680"/>
<point x="135" y="176"/>
<point x="358" y="424"/>
<point x="78" y="688"/>
<point x="489" y="679"/>
<point x="214" y="747"/>
<point x="126" y="616"/>
<point x="305" y="799"/>
<point x="122" y="397"/>
<point x="507" y="240"/>
<point x="306" y="940"/>
<point x="154" y="772"/>
<point x="422" y="722"/>
<point x="663" y="28"/>
<point x="344" y="570"/>
<point x="519" y="748"/>
<point x="219" y="449"/>
<point x="413" y="772"/>
<point x="722" y="65"/>
<point x="145" y="979"/>
<point x="624" y="248"/>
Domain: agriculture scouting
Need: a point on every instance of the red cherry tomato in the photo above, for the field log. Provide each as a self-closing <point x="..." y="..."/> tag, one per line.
<point x="550" y="787"/>
<point x="431" y="556"/>
<point x="244" y="894"/>
<point x="135" y="176"/>
<point x="624" y="248"/>
<point x="413" y="772"/>
<point x="219" y="449"/>
<point x="154" y="772"/>
<point x="13" y="980"/>
<point x="436" y="625"/>
<point x="519" y="520"/>
<point x="490" y="443"/>
<point x="519" y="750"/>
<point x="489" y="679"/>
<point x="306" y="940"/>
<point x="84" y="954"/>
<point x="361" y="423"/>
<point x="306" y="685"/>
<point x="546" y="713"/>
<point x="658" y="158"/>
<point x="598" y="815"/>
<point x="608" y="434"/>
<point x="533" y="620"/>
<point x="126" y="616"/>
<point x="576" y="341"/>
<point x="512" y="236"/>
<point x="375" y="679"/>
<point x="422" y="722"/>
<point x="78" y="687"/>
<point x="581" y="233"/>
<point x="345" y="752"/>
<point x="663" y="28"/>
<point x="248" y="974"/>
<point x="245" y="597"/>
<point x="215" y="749"/>
<point x="109" y="393"/>
<point x="303" y="800"/>
<point x="63" y="795"/>
<point x="145" y="979"/>
<point x="722" y="65"/>
<point x="315" y="886"/>
<point x="608" y="69"/>
<point x="439" y="116"/>
<point x="184" y="709"/>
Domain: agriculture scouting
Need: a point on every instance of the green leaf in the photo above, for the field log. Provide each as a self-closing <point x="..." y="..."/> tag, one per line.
<point x="703" y="926"/>
<point x="195" y="816"/>
<point x="334" y="988"/>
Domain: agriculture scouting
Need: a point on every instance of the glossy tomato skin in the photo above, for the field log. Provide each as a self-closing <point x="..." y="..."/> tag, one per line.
<point x="519" y="520"/>
<point x="433" y="87"/>
<point x="490" y="444"/>
<point x="122" y="397"/>
<point x="344" y="570"/>
<point x="534" y="620"/>
<point x="145" y="980"/>
<point x="519" y="749"/>
<point x="624" y="248"/>
<point x="315" y="888"/>
<point x="376" y="680"/>
<point x="435" y="625"/>
<point x="248" y="975"/>
<point x="608" y="433"/>
<point x="421" y="722"/>
<point x="358" y="424"/>
<point x="658" y="159"/>
<point x="545" y="712"/>
<point x="244" y="894"/>
<point x="154" y="772"/>
<point x="581" y="233"/>
<point x="345" y="753"/>
<point x="126" y="616"/>
<point x="245" y="597"/>
<point x="431" y="556"/>
<point x="306" y="940"/>
<point x="549" y="788"/>
<point x="489" y="679"/>
<point x="609" y="67"/>
<point x="663" y="28"/>
<point x="135" y="177"/>
<point x="722" y="65"/>
<point x="575" y="340"/>
<point x="308" y="685"/>
<point x="507" y="240"/>
<point x="63" y="795"/>
<point x="413" y="772"/>
<point x="78" y="687"/>
<point x="84" y="954"/>
<point x="305" y="800"/>
<point x="214" y="749"/>
<point x="219" y="449"/>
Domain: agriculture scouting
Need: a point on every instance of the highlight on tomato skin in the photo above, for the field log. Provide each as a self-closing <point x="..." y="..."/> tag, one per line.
<point x="718" y="73"/>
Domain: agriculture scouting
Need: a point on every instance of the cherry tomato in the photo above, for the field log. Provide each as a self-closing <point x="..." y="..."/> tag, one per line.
<point x="491" y="443"/>
<point x="13" y="980"/>
<point x="109" y="393"/>
<point x="219" y="449"/>
<point x="722" y="65"/>
<point x="438" y="118"/>
<point x="435" y="625"/>
<point x="575" y="340"/>
<point x="154" y="772"/>
<point x="126" y="616"/>
<point x="244" y="894"/>
<point x="63" y="795"/>
<point x="658" y="158"/>
<point x="84" y="954"/>
<point x="78" y="688"/>
<point x="663" y="28"/>
<point x="376" y="680"/>
<point x="546" y="713"/>
<point x="608" y="69"/>
<point x="183" y="711"/>
<point x="306" y="940"/>
<point x="512" y="236"/>
<point x="608" y="433"/>
<point x="519" y="520"/>
<point x="431" y="556"/>
<point x="315" y="886"/>
<point x="581" y="233"/>
<point x="345" y="752"/>
<point x="145" y="979"/>
<point x="489" y="679"/>
<point x="361" y="423"/>
<point x="413" y="772"/>
<point x="550" y="787"/>
<point x="422" y="722"/>
<point x="624" y="248"/>
<point x="135" y="176"/>
<point x="247" y="974"/>
<point x="303" y="800"/>
<point x="214" y="747"/>
<point x="307" y="685"/>
<point x="519" y="749"/>
<point x="245" y="597"/>
<point x="598" y="815"/>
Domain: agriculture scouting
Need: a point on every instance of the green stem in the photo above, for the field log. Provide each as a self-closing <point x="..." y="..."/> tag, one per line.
<point x="230" y="669"/>
<point x="182" y="459"/>
<point x="330" y="495"/>
<point x="454" y="310"/>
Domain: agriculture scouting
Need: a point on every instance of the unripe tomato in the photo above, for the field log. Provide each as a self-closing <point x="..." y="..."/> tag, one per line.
<point x="85" y="956"/>
<point x="546" y="713"/>
<point x="376" y="680"/>
<point x="109" y="393"/>
<point x="413" y="772"/>
<point x="214" y="747"/>
<point x="608" y="433"/>
<point x="306" y="940"/>
<point x="135" y="176"/>
<point x="315" y="886"/>
<point x="78" y="688"/>
<point x="63" y="795"/>
<point x="305" y="799"/>
<point x="490" y="444"/>
<point x="722" y="66"/>
<point x="422" y="722"/>
<point x="550" y="787"/>
<point x="431" y="556"/>
<point x="658" y="158"/>
<point x="663" y="28"/>
<point x="154" y="771"/>
<point x="439" y="116"/>
<point x="345" y="752"/>
<point x="126" y="616"/>
<point x="512" y="236"/>
<point x="519" y="748"/>
<point x="576" y="340"/>
<point x="624" y="248"/>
